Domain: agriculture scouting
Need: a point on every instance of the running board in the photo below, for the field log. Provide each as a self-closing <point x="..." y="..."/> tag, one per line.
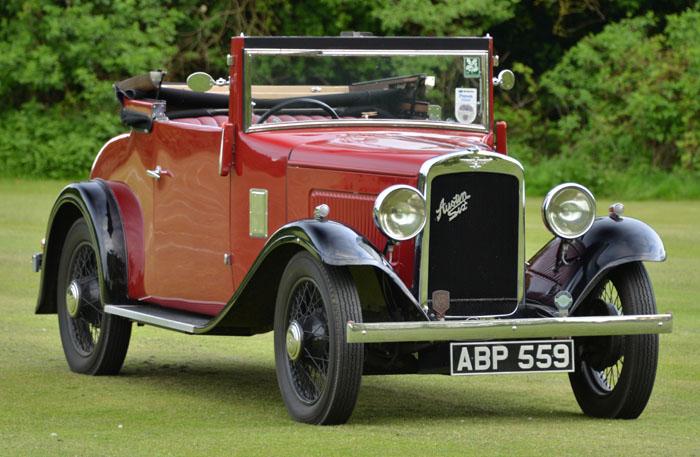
<point x="171" y="319"/>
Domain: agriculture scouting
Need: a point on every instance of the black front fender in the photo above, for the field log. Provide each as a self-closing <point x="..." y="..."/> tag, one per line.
<point x="607" y="244"/>
<point x="93" y="201"/>
<point x="333" y="243"/>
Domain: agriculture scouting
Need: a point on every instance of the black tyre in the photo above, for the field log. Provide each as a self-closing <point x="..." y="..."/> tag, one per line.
<point x="614" y="376"/>
<point x="318" y="372"/>
<point x="94" y="343"/>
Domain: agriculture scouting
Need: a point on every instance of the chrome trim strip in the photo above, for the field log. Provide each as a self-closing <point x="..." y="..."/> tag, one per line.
<point x="461" y="162"/>
<point x="552" y="327"/>
<point x="133" y="314"/>
<point x="360" y="52"/>
<point x="369" y="123"/>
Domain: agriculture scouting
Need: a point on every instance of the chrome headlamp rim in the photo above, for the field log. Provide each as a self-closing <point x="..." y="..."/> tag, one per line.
<point x="377" y="212"/>
<point x="546" y="207"/>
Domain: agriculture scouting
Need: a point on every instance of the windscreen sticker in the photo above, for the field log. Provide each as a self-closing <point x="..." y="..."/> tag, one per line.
<point x="472" y="67"/>
<point x="465" y="105"/>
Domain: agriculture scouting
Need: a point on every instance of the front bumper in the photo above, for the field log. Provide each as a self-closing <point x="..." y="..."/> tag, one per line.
<point x="552" y="327"/>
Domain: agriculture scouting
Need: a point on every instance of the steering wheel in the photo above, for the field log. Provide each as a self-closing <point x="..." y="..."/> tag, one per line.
<point x="313" y="101"/>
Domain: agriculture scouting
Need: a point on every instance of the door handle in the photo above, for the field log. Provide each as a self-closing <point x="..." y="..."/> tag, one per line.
<point x="158" y="172"/>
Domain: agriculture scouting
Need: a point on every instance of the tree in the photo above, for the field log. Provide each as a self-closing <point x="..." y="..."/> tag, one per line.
<point x="57" y="63"/>
<point x="628" y="96"/>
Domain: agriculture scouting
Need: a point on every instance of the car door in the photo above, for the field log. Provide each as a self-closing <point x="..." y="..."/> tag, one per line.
<point x="191" y="208"/>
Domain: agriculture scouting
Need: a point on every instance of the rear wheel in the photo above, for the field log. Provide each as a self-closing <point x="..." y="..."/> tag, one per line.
<point x="318" y="372"/>
<point x="93" y="342"/>
<point x="615" y="375"/>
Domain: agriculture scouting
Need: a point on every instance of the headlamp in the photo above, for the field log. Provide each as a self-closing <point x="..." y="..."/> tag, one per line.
<point x="399" y="212"/>
<point x="568" y="210"/>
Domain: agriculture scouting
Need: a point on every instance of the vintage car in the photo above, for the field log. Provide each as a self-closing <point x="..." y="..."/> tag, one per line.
<point x="354" y="195"/>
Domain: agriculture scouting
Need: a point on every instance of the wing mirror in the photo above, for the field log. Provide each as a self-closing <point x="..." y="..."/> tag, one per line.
<point x="202" y="82"/>
<point x="505" y="79"/>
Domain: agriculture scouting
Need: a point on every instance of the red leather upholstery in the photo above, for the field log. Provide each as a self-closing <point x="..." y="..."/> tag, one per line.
<point x="213" y="121"/>
<point x="289" y="118"/>
<point x="218" y="121"/>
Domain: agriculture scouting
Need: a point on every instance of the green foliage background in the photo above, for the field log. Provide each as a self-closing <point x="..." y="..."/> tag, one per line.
<point x="606" y="94"/>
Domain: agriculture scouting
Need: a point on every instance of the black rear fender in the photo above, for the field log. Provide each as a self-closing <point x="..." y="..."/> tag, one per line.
<point x="93" y="201"/>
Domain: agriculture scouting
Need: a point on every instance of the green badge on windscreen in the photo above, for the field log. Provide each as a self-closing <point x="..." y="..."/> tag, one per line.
<point x="472" y="67"/>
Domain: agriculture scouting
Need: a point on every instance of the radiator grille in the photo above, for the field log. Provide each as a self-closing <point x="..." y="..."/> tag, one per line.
<point x="353" y="210"/>
<point x="473" y="245"/>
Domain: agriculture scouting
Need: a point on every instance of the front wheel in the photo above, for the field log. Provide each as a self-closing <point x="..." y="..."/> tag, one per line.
<point x="93" y="342"/>
<point x="318" y="371"/>
<point x="615" y="375"/>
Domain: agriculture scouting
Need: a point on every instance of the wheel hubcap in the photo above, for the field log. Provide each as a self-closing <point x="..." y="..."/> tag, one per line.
<point x="295" y="341"/>
<point x="73" y="299"/>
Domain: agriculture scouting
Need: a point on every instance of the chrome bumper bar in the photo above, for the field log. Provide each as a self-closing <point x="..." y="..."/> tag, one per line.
<point x="552" y="327"/>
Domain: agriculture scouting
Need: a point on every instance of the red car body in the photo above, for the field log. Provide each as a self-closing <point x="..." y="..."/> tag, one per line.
<point x="198" y="207"/>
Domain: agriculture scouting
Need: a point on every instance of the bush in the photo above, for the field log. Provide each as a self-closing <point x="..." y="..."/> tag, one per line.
<point x="628" y="99"/>
<point x="57" y="64"/>
<point x="58" y="141"/>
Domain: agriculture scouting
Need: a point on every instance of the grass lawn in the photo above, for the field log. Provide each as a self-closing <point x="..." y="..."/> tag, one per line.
<point x="182" y="395"/>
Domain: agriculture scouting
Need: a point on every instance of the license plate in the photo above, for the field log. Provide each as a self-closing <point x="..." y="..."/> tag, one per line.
<point x="525" y="356"/>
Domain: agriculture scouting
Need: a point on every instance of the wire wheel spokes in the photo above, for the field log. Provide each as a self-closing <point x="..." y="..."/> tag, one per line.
<point x="609" y="295"/>
<point x="309" y="372"/>
<point x="607" y="379"/>
<point x="86" y="326"/>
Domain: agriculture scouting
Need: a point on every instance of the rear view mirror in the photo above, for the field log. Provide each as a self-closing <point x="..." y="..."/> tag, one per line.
<point x="505" y="79"/>
<point x="200" y="82"/>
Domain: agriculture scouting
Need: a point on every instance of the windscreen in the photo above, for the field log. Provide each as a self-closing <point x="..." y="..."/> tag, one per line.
<point x="327" y="86"/>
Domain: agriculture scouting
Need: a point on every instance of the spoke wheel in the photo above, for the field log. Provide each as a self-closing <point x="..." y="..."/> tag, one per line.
<point x="319" y="373"/>
<point x="93" y="342"/>
<point x="614" y="376"/>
